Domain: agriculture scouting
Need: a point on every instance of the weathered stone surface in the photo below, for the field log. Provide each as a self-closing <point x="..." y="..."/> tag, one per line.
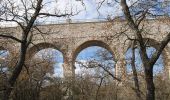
<point x="71" y="38"/>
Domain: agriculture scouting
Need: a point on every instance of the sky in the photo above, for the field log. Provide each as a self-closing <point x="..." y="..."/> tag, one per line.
<point x="56" y="57"/>
<point x="91" y="54"/>
<point x="87" y="10"/>
<point x="81" y="11"/>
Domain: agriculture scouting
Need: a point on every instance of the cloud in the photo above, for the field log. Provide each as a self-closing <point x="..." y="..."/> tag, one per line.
<point x="87" y="10"/>
<point x="58" y="70"/>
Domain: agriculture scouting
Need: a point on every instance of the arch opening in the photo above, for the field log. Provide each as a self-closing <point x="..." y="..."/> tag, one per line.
<point x="38" y="47"/>
<point x="4" y="60"/>
<point x="92" y="59"/>
<point x="91" y="43"/>
<point x="53" y="58"/>
<point x="161" y="66"/>
<point x="47" y="58"/>
<point x="157" y="69"/>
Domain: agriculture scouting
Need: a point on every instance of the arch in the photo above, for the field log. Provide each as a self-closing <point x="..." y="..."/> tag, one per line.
<point x="147" y="41"/>
<point x="9" y="48"/>
<point x="88" y="44"/>
<point x="155" y="44"/>
<point x="6" y="58"/>
<point x="42" y="46"/>
<point x="3" y="49"/>
<point x="33" y="50"/>
<point x="152" y="43"/>
<point x="93" y="70"/>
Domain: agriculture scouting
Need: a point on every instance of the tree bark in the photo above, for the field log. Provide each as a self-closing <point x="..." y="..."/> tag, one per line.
<point x="16" y="72"/>
<point x="148" y="66"/>
<point x="24" y="44"/>
<point x="150" y="88"/>
<point x="135" y="76"/>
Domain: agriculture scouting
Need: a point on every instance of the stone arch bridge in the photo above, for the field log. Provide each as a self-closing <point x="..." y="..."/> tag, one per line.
<point x="71" y="38"/>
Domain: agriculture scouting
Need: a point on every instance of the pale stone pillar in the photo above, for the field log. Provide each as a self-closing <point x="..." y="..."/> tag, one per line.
<point x="69" y="75"/>
<point x="68" y="69"/>
<point x="120" y="70"/>
<point x="68" y="66"/>
<point x="166" y="60"/>
<point x="166" y="66"/>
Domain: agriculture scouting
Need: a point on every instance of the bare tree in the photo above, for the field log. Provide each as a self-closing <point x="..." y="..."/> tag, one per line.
<point x="31" y="80"/>
<point x="148" y="63"/>
<point x="26" y="12"/>
<point x="135" y="77"/>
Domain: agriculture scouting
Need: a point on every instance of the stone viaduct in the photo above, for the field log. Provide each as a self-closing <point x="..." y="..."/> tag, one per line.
<point x="72" y="37"/>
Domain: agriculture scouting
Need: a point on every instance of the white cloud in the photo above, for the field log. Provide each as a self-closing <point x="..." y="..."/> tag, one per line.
<point x="58" y="70"/>
<point x="88" y="9"/>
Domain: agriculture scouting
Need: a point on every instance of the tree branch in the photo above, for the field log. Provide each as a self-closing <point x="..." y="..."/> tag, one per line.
<point x="10" y="37"/>
<point x="163" y="44"/>
<point x="135" y="28"/>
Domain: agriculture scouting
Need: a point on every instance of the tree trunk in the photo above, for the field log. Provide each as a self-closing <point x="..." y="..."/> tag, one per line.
<point x="15" y="73"/>
<point x="135" y="76"/>
<point x="150" y="88"/>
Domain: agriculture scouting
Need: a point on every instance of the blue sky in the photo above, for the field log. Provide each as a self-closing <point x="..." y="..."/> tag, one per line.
<point x="91" y="54"/>
<point x="88" y="10"/>
<point x="56" y="57"/>
<point x="158" y="67"/>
